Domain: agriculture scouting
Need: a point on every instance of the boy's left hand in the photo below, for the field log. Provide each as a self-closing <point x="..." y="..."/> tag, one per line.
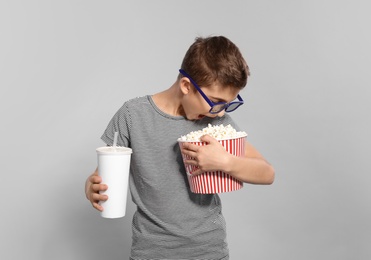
<point x="210" y="157"/>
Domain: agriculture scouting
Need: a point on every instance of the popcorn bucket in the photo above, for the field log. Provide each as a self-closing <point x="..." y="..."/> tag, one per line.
<point x="211" y="182"/>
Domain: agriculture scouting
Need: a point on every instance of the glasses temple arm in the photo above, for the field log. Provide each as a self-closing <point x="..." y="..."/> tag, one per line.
<point x="197" y="87"/>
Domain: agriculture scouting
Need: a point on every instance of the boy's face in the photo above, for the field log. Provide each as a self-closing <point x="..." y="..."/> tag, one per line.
<point x="195" y="106"/>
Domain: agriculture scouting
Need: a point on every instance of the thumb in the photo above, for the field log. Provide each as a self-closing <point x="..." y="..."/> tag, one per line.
<point x="207" y="138"/>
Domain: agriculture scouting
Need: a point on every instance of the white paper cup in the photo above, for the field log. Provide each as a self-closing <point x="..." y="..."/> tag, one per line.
<point x="211" y="182"/>
<point x="113" y="167"/>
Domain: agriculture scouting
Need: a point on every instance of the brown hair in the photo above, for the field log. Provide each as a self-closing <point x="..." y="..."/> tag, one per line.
<point x="214" y="59"/>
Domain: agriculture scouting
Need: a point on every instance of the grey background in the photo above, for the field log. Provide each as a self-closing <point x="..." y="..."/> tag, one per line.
<point x="67" y="66"/>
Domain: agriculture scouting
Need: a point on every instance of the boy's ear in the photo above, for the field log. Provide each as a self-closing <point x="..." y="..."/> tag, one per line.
<point x="185" y="85"/>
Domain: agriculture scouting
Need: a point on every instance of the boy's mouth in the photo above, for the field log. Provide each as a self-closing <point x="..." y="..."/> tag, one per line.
<point x="201" y="116"/>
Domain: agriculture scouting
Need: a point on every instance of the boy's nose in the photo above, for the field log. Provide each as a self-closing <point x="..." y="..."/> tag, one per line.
<point x="220" y="114"/>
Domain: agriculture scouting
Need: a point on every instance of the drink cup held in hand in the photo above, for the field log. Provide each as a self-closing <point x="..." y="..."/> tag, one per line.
<point x="113" y="167"/>
<point x="215" y="181"/>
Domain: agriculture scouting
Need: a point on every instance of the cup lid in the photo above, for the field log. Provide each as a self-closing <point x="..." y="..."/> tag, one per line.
<point x="112" y="150"/>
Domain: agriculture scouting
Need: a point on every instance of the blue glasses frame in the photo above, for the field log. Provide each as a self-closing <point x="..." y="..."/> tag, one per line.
<point x="215" y="108"/>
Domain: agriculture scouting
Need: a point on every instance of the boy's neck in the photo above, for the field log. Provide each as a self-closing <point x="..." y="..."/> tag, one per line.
<point x="169" y="101"/>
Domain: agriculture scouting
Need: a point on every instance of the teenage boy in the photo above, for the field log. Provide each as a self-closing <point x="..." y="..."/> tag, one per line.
<point x="170" y="221"/>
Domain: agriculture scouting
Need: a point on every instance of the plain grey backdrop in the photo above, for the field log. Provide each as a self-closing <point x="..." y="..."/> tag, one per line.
<point x="67" y="66"/>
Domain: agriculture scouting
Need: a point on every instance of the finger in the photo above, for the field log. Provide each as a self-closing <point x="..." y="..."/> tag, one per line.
<point x="191" y="162"/>
<point x="96" y="197"/>
<point x="99" y="187"/>
<point x="197" y="172"/>
<point x="189" y="153"/>
<point x="95" y="179"/>
<point x="183" y="145"/>
<point x="190" y="147"/>
<point x="207" y="138"/>
<point x="97" y="206"/>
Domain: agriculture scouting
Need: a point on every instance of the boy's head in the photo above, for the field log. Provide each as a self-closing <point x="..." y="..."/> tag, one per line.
<point x="215" y="59"/>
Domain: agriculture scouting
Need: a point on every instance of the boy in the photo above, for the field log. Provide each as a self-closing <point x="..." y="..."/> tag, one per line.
<point x="170" y="221"/>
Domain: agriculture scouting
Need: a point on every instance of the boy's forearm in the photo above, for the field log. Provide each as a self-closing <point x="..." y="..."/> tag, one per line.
<point x="250" y="170"/>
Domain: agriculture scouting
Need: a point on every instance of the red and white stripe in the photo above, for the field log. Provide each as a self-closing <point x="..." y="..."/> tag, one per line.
<point x="216" y="181"/>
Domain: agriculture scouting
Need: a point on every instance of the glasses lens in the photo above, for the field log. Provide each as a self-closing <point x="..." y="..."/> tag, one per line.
<point x="217" y="108"/>
<point x="233" y="106"/>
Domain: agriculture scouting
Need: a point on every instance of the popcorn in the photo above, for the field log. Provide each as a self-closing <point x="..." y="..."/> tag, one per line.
<point x="219" y="132"/>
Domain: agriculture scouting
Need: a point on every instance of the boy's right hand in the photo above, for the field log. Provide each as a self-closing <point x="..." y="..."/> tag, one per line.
<point x="93" y="186"/>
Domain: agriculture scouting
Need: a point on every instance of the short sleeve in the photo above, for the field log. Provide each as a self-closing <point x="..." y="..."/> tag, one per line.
<point x="121" y="123"/>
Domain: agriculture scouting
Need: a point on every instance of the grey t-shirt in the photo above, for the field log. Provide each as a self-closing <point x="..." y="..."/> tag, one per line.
<point x="170" y="221"/>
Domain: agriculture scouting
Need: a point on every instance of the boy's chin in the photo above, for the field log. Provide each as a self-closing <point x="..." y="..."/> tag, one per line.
<point x="195" y="117"/>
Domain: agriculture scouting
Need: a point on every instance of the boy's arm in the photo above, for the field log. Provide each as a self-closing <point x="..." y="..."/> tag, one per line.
<point x="252" y="168"/>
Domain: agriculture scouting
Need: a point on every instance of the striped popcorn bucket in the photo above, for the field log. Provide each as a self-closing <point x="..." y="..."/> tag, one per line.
<point x="215" y="181"/>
